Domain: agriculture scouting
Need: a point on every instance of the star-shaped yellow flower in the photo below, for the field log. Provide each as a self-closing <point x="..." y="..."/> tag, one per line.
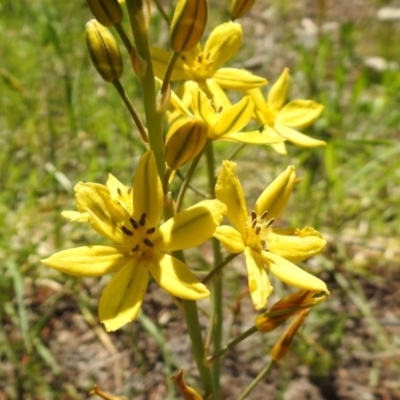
<point x="204" y="66"/>
<point x="130" y="218"/>
<point x="280" y="120"/>
<point x="224" y="123"/>
<point x="266" y="249"/>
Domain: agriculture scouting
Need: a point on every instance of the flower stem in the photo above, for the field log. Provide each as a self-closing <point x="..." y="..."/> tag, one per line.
<point x="124" y="37"/>
<point x="169" y="70"/>
<point x="132" y="111"/>
<point x="219" y="267"/>
<point x="257" y="379"/>
<point x="139" y="25"/>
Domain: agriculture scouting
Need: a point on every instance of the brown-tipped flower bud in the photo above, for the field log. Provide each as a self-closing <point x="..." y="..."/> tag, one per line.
<point x="287" y="307"/>
<point x="240" y="7"/>
<point x="282" y="346"/>
<point x="188" y="24"/>
<point x="185" y="140"/>
<point x="104" y="51"/>
<point x="107" y="12"/>
<point x="187" y="392"/>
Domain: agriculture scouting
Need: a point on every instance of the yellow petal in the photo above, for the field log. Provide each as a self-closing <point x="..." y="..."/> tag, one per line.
<point x="176" y="278"/>
<point x="296" y="244"/>
<point x="298" y="138"/>
<point x="252" y="138"/>
<point x="75" y="216"/>
<point x="189" y="228"/>
<point x="280" y="148"/>
<point x="229" y="190"/>
<point x="234" y="118"/>
<point x="291" y="274"/>
<point x="275" y="197"/>
<point x="223" y="43"/>
<point x="219" y="97"/>
<point x="299" y="114"/>
<point x="160" y="58"/>
<point x="104" y="212"/>
<point x="179" y="104"/>
<point x="278" y="94"/>
<point x="120" y="192"/>
<point x="122" y="298"/>
<point x="202" y="108"/>
<point x="88" y="260"/>
<point x="147" y="190"/>
<point x="259" y="285"/>
<point x="260" y="107"/>
<point x="238" y="79"/>
<point x="230" y="238"/>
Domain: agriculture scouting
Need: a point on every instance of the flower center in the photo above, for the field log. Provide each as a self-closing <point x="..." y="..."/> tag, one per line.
<point x="201" y="67"/>
<point x="138" y="237"/>
<point x="260" y="227"/>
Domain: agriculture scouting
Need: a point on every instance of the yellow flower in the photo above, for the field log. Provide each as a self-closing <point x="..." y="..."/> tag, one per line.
<point x="266" y="249"/>
<point x="204" y="66"/>
<point x="280" y="120"/>
<point x="224" y="123"/>
<point x="130" y="218"/>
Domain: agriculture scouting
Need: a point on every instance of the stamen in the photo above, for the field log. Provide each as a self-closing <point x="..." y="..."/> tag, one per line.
<point x="150" y="231"/>
<point x="264" y="214"/>
<point x="200" y="58"/>
<point x="148" y="243"/>
<point x="134" y="223"/>
<point x="254" y="223"/>
<point x="253" y="215"/>
<point x="264" y="244"/>
<point x="258" y="229"/>
<point x="136" y="248"/>
<point x="119" y="191"/>
<point x="270" y="222"/>
<point x="126" y="231"/>
<point x="142" y="219"/>
<point x="183" y="57"/>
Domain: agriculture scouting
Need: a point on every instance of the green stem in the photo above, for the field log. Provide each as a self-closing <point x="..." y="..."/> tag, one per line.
<point x="124" y="37"/>
<point x="162" y="12"/>
<point x="236" y="151"/>
<point x="232" y="344"/>
<point x="132" y="111"/>
<point x="257" y="380"/>
<point x="139" y="22"/>
<point x="170" y="68"/>
<point x="219" y="267"/>
<point x="216" y="286"/>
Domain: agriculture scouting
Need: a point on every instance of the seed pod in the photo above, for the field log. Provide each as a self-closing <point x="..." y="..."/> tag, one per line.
<point x="240" y="7"/>
<point x="188" y="24"/>
<point x="104" y="51"/>
<point x="185" y="140"/>
<point x="107" y="12"/>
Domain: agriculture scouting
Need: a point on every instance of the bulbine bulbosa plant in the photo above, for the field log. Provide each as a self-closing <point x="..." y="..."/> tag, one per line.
<point x="190" y="100"/>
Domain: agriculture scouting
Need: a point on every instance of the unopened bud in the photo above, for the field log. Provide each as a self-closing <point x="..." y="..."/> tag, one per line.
<point x="185" y="140"/>
<point x="107" y="12"/>
<point x="287" y="307"/>
<point x="282" y="346"/>
<point x="104" y="51"/>
<point x="188" y="24"/>
<point x="240" y="7"/>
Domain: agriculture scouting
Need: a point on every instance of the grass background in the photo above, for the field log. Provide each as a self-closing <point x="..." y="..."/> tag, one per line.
<point x="60" y="123"/>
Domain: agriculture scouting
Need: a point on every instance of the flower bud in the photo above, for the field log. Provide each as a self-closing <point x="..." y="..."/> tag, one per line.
<point x="104" y="51"/>
<point x="187" y="392"/>
<point x="282" y="346"/>
<point x="185" y="140"/>
<point x="188" y="24"/>
<point x="287" y="307"/>
<point x="240" y="7"/>
<point x="107" y="12"/>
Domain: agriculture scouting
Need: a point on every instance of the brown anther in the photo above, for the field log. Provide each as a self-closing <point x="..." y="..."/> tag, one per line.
<point x="126" y="231"/>
<point x="263" y="216"/>
<point x="134" y="223"/>
<point x="142" y="219"/>
<point x="264" y="244"/>
<point x="270" y="222"/>
<point x="183" y="57"/>
<point x="148" y="243"/>
<point x="258" y="229"/>
<point x="200" y="58"/>
<point x="119" y="191"/>
<point x="254" y="223"/>
<point x="136" y="248"/>
<point x="253" y="215"/>
<point x="150" y="231"/>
